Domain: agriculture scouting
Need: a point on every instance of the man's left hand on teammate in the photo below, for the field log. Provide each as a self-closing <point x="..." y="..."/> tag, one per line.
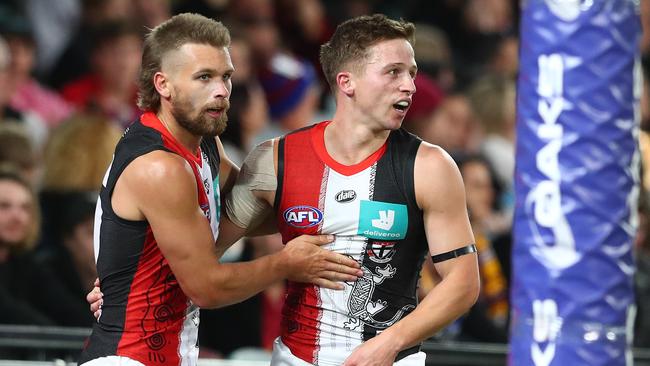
<point x="95" y="299"/>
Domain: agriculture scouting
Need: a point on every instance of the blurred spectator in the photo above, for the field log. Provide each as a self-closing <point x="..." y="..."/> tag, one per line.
<point x="19" y="222"/>
<point x="642" y="274"/>
<point x="31" y="293"/>
<point x="475" y="29"/>
<point x="69" y="261"/>
<point x="304" y="27"/>
<point x="75" y="60"/>
<point x="487" y="321"/>
<point x="493" y="100"/>
<point x="449" y="122"/>
<point x="645" y="23"/>
<point x="263" y="38"/>
<point x="291" y="90"/>
<point x="215" y="9"/>
<point x="53" y="28"/>
<point x="250" y="9"/>
<point x="28" y="95"/>
<point x="34" y="125"/>
<point x="505" y="57"/>
<point x="433" y="55"/>
<point x="241" y="54"/>
<point x="110" y="88"/>
<point x="76" y="158"/>
<point x="78" y="154"/>
<point x="16" y="150"/>
<point x="247" y="117"/>
<point x="152" y="12"/>
<point x="426" y="100"/>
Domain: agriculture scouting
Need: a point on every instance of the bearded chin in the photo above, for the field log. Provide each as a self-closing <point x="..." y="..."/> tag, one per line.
<point x="201" y="125"/>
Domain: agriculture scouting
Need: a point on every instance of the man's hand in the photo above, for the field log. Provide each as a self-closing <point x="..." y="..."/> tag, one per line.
<point x="308" y="262"/>
<point x="96" y="300"/>
<point x="374" y="352"/>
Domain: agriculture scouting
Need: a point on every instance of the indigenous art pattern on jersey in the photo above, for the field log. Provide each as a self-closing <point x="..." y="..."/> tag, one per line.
<point x="145" y="315"/>
<point x="371" y="209"/>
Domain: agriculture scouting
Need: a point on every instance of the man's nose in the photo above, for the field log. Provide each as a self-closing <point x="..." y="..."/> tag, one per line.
<point x="409" y="85"/>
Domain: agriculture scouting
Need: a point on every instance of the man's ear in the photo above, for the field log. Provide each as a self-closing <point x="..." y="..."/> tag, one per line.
<point x="345" y="83"/>
<point x="161" y="84"/>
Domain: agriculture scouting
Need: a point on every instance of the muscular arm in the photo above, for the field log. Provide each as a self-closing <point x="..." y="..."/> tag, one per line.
<point x="160" y="187"/>
<point x="447" y="228"/>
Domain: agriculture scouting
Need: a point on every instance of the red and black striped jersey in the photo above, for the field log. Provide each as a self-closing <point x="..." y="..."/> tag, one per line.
<point x="371" y="208"/>
<point x="145" y="315"/>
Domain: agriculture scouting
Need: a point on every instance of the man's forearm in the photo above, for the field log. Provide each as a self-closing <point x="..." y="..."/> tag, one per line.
<point x="231" y="283"/>
<point x="447" y="301"/>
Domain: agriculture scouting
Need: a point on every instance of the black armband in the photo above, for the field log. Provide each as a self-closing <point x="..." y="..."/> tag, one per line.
<point x="453" y="253"/>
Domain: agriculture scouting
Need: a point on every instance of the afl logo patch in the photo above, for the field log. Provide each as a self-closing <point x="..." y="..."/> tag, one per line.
<point x="303" y="216"/>
<point x="345" y="196"/>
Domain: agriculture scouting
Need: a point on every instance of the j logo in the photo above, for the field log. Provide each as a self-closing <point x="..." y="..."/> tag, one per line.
<point x="385" y="220"/>
<point x="382" y="220"/>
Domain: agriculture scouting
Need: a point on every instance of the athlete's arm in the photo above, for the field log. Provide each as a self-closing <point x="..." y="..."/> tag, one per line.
<point x="447" y="228"/>
<point x="160" y="187"/>
<point x="248" y="205"/>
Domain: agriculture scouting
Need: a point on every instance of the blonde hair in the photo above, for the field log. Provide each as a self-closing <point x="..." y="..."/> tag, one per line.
<point x="79" y="152"/>
<point x="490" y="97"/>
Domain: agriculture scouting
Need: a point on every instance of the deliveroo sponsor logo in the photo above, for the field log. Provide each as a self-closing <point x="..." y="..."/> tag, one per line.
<point x="383" y="220"/>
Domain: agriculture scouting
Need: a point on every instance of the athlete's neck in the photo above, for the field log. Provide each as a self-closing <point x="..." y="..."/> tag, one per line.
<point x="350" y="143"/>
<point x="185" y="137"/>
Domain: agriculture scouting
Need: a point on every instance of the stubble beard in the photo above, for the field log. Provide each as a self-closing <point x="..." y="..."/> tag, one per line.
<point x="201" y="124"/>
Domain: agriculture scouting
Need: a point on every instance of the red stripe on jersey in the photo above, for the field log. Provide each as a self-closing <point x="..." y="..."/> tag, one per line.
<point x="155" y="310"/>
<point x="318" y="141"/>
<point x="302" y="179"/>
<point x="150" y="119"/>
<point x="156" y="306"/>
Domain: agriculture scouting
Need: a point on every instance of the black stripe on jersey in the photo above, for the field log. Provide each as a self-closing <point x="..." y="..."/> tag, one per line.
<point x="280" y="175"/>
<point x="210" y="149"/>
<point x="127" y="238"/>
<point x="394" y="183"/>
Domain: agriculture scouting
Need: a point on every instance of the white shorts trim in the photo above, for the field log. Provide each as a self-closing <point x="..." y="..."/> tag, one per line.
<point x="282" y="356"/>
<point x="113" y="361"/>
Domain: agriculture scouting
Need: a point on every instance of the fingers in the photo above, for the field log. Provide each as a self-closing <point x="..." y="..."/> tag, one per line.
<point x="316" y="239"/>
<point x="96" y="284"/>
<point x="343" y="269"/>
<point x="325" y="283"/>
<point x="95" y="299"/>
<point x="343" y="260"/>
<point x="94" y="295"/>
<point x="338" y="276"/>
<point x="97" y="314"/>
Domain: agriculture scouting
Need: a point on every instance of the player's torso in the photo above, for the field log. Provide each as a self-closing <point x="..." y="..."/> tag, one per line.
<point x="146" y="316"/>
<point x="371" y="209"/>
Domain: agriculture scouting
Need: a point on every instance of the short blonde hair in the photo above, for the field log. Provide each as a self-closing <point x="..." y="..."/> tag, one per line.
<point x="79" y="152"/>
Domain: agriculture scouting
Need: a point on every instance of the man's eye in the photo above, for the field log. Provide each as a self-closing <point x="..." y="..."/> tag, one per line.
<point x="204" y="77"/>
<point x="227" y="77"/>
